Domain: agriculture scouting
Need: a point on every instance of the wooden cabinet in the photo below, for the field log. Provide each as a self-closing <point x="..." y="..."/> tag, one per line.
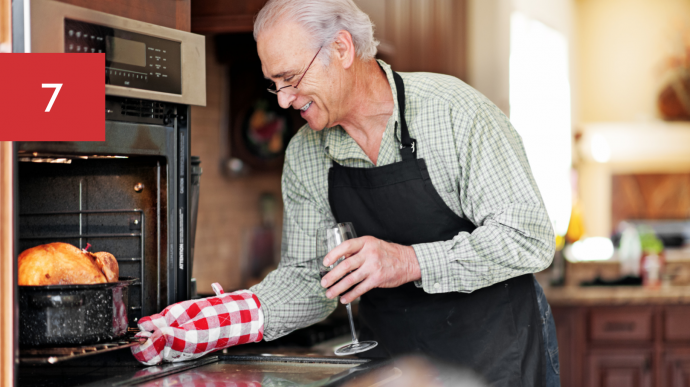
<point x="223" y="16"/>
<point x="166" y="13"/>
<point x="8" y="319"/>
<point x="619" y="368"/>
<point x="609" y="346"/>
<point x="414" y="35"/>
<point x="677" y="324"/>
<point x="676" y="368"/>
<point x="5" y="26"/>
<point x="421" y="35"/>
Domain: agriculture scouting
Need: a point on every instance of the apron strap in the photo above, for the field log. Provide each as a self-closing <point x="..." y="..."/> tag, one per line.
<point x="408" y="146"/>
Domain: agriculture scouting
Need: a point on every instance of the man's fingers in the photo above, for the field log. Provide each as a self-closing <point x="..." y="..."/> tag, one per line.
<point x="358" y="291"/>
<point x="341" y="270"/>
<point x="349" y="281"/>
<point x="345" y="249"/>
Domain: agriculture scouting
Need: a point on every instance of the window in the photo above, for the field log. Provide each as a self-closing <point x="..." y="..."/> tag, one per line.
<point x="540" y="110"/>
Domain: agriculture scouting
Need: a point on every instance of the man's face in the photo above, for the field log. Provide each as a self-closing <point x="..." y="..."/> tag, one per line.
<point x="285" y="55"/>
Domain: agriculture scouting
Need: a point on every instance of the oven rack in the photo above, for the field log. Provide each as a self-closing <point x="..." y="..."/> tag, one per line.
<point x="53" y="355"/>
<point x="140" y="234"/>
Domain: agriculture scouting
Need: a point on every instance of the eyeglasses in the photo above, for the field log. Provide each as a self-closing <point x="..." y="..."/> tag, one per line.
<point x="272" y="87"/>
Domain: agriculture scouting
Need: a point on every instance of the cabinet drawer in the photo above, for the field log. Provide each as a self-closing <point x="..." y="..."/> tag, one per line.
<point x="676" y="323"/>
<point x="621" y="324"/>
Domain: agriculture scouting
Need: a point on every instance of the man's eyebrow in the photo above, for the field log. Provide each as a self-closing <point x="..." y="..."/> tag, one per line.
<point x="280" y="75"/>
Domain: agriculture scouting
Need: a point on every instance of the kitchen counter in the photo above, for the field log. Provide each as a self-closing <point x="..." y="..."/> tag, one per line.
<point x="634" y="333"/>
<point x="616" y="295"/>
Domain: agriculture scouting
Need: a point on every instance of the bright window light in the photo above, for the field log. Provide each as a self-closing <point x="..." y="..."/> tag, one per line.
<point x="601" y="151"/>
<point x="540" y="110"/>
<point x="590" y="249"/>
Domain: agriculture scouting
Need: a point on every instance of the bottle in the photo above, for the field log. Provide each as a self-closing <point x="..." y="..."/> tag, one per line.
<point x="651" y="277"/>
<point x="653" y="261"/>
<point x="630" y="251"/>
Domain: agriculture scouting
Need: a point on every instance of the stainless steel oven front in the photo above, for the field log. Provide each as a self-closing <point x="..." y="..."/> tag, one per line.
<point x="130" y="194"/>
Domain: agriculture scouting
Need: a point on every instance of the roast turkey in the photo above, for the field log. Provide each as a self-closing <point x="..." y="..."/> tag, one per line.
<point x="63" y="264"/>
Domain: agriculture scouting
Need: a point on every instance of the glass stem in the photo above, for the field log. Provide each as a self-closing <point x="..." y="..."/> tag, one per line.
<point x="352" y="323"/>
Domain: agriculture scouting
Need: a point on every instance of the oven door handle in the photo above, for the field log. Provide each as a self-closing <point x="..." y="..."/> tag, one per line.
<point x="57" y="301"/>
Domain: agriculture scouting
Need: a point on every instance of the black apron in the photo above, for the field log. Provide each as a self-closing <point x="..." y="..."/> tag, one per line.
<point x="494" y="330"/>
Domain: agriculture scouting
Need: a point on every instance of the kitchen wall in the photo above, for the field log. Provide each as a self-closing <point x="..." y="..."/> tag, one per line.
<point x="228" y="207"/>
<point x="620" y="48"/>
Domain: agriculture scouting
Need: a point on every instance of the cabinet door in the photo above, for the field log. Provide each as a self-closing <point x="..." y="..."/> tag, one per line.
<point x="619" y="368"/>
<point x="676" y="324"/>
<point x="676" y="372"/>
<point x="571" y="330"/>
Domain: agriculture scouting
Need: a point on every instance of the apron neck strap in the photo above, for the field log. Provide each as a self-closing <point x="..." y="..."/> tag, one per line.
<point x="408" y="146"/>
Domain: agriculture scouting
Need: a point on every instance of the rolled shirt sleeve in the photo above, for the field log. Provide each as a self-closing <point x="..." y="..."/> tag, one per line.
<point x="292" y="295"/>
<point x="499" y="195"/>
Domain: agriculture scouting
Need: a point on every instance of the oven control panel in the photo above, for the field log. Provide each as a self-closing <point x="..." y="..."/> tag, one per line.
<point x="131" y="59"/>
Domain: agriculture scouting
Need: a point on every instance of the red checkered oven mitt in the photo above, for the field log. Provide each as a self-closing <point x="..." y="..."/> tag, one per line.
<point x="190" y="329"/>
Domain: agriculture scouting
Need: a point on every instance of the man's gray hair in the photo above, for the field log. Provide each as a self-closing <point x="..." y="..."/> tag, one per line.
<point x="323" y="19"/>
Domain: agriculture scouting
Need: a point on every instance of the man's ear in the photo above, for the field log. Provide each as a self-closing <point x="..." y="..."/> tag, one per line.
<point x="344" y="49"/>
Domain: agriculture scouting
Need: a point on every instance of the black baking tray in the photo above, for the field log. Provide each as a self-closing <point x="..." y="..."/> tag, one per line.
<point x="62" y="315"/>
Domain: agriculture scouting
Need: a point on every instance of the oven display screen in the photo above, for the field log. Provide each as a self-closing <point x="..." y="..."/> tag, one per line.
<point x="132" y="59"/>
<point x="125" y="51"/>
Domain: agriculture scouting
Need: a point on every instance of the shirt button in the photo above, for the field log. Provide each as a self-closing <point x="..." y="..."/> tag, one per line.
<point x="437" y="285"/>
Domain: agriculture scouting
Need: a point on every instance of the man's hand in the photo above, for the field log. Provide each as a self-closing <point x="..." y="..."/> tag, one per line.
<point x="372" y="263"/>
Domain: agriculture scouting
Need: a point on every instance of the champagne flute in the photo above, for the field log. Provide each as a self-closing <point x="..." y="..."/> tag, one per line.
<point x="327" y="239"/>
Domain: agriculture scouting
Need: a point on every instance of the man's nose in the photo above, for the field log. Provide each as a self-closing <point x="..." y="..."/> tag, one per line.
<point x="285" y="99"/>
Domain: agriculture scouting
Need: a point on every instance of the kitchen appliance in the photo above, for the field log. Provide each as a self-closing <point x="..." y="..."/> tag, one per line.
<point x="128" y="195"/>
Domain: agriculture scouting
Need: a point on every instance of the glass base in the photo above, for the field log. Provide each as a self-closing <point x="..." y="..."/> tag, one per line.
<point x="353" y="348"/>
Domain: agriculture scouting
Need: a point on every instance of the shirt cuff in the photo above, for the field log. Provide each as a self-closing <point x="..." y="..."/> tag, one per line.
<point x="434" y="266"/>
<point x="269" y="334"/>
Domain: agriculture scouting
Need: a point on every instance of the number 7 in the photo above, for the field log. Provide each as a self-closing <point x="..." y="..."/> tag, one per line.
<point x="57" y="87"/>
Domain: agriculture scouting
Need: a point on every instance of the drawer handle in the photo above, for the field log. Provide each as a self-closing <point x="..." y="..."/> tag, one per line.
<point x="619" y="326"/>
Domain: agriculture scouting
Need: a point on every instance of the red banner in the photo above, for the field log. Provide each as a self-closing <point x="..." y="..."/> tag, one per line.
<point x="52" y="97"/>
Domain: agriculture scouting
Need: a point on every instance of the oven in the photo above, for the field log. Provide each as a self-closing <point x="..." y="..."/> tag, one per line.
<point x="132" y="195"/>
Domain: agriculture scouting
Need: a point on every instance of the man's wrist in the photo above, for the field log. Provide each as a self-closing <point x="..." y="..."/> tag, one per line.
<point x="414" y="272"/>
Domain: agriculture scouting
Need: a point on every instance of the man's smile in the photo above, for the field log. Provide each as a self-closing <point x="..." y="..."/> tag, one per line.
<point x="305" y="107"/>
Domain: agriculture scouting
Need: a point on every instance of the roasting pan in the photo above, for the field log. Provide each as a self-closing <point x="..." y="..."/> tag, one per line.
<point x="59" y="315"/>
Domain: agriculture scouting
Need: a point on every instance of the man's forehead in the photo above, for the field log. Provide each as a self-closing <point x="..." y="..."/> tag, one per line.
<point x="281" y="49"/>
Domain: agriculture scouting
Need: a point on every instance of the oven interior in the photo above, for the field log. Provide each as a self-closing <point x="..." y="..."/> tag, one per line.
<point x="128" y="195"/>
<point x="116" y="204"/>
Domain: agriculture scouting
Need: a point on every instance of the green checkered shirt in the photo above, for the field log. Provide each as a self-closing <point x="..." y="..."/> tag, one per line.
<point x="477" y="164"/>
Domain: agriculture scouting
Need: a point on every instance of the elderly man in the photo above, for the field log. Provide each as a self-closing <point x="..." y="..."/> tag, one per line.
<point x="437" y="184"/>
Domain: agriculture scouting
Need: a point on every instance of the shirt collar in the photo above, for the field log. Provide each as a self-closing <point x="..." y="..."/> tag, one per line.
<point x="340" y="146"/>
